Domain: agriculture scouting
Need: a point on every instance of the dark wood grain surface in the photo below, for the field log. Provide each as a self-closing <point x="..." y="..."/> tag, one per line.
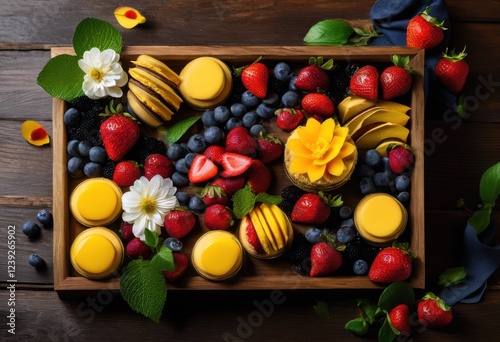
<point x="453" y="167"/>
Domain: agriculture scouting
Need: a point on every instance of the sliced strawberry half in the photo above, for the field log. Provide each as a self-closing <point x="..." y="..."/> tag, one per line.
<point x="234" y="164"/>
<point x="252" y="237"/>
<point x="202" y="169"/>
<point x="214" y="153"/>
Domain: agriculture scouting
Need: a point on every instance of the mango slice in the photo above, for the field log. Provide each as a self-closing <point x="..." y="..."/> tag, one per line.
<point x="34" y="133"/>
<point x="129" y="17"/>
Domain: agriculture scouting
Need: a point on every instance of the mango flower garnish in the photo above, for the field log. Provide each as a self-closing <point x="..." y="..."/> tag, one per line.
<point x="129" y="17"/>
<point x="319" y="149"/>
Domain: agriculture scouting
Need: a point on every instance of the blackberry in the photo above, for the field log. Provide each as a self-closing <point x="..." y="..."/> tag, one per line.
<point x="109" y="169"/>
<point x="352" y="251"/>
<point x="351" y="69"/>
<point x="82" y="103"/>
<point x="286" y="206"/>
<point x="303" y="268"/>
<point x="277" y="86"/>
<point x="149" y="146"/>
<point x="299" y="250"/>
<point x="292" y="193"/>
<point x="74" y="133"/>
<point x="368" y="253"/>
<point x="238" y="89"/>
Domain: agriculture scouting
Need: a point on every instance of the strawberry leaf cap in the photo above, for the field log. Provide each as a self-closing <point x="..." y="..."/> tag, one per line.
<point x="454" y="56"/>
<point x="404" y="247"/>
<point x="212" y="191"/>
<point x="403" y="62"/>
<point x="267" y="136"/>
<point x="111" y="110"/>
<point x="331" y="201"/>
<point x="237" y="71"/>
<point x="439" y="301"/>
<point x="318" y="61"/>
<point x="432" y="20"/>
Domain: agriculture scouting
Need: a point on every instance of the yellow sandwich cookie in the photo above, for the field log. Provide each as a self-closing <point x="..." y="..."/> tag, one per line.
<point x="149" y="99"/>
<point x="161" y="69"/>
<point x="142" y="112"/>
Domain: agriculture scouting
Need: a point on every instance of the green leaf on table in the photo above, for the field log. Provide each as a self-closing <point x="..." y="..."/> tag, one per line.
<point x="489" y="187"/>
<point x="395" y="294"/>
<point x="163" y="260"/>
<point x="264" y="197"/>
<point x="369" y="309"/>
<point x="480" y="220"/>
<point x="357" y="326"/>
<point x="62" y="78"/>
<point x="177" y="130"/>
<point x="329" y="32"/>
<point x="322" y="310"/>
<point x="144" y="288"/>
<point x="243" y="202"/>
<point x="452" y="276"/>
<point x="92" y="32"/>
<point x="386" y="332"/>
<point x="152" y="239"/>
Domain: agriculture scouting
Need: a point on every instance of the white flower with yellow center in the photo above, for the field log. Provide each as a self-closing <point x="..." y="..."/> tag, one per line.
<point x="147" y="203"/>
<point x="104" y="74"/>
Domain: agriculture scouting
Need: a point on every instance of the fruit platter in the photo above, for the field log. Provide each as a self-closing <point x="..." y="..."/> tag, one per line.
<point x="266" y="263"/>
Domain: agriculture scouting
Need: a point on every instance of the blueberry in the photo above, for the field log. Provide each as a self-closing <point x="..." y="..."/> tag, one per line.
<point x="345" y="212"/>
<point x="213" y="135"/>
<point x="98" y="155"/>
<point x="282" y="71"/>
<point x="402" y="182"/>
<point x="208" y="118"/>
<point x="345" y="235"/>
<point x="382" y="179"/>
<point x="180" y="179"/>
<point x="189" y="158"/>
<point x="84" y="148"/>
<point x="186" y="148"/>
<point x="366" y="186"/>
<point x="232" y="123"/>
<point x="31" y="230"/>
<point x="360" y="267"/>
<point x="290" y="99"/>
<point x="385" y="166"/>
<point x="313" y="235"/>
<point x="175" y="151"/>
<point x="291" y="84"/>
<point x="180" y="166"/>
<point x="366" y="171"/>
<point x="256" y="129"/>
<point x="92" y="170"/>
<point x="36" y="261"/>
<point x="373" y="158"/>
<point x="271" y="99"/>
<point x="265" y="111"/>
<point x="182" y="197"/>
<point x="72" y="117"/>
<point x="174" y="244"/>
<point x="221" y="114"/>
<point x="347" y="223"/>
<point x="196" y="204"/>
<point x="197" y="143"/>
<point x="250" y="119"/>
<point x="45" y="218"/>
<point x="249" y="99"/>
<point x="403" y="196"/>
<point x="72" y="148"/>
<point x="238" y="109"/>
<point x="75" y="167"/>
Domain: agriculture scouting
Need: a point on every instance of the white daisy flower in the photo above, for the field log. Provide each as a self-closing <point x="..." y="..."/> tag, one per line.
<point x="104" y="74"/>
<point x="147" y="203"/>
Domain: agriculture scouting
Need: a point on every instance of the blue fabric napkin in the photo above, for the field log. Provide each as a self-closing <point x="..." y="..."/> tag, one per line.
<point x="390" y="18"/>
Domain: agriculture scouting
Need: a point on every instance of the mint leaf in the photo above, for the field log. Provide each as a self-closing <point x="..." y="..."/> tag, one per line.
<point x="92" y="32"/>
<point x="452" y="276"/>
<point x="329" y="32"/>
<point x="163" y="260"/>
<point x="322" y="310"/>
<point x="176" y="131"/>
<point x="357" y="326"/>
<point x="489" y="187"/>
<point x="268" y="199"/>
<point x="152" y="239"/>
<point x="386" y="332"/>
<point x="144" y="288"/>
<point x="369" y="309"/>
<point x="243" y="202"/>
<point x="480" y="220"/>
<point x="395" y="294"/>
<point x="62" y="78"/>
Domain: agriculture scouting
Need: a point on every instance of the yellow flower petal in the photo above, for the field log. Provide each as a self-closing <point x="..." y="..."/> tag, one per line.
<point x="128" y="17"/>
<point x="336" y="167"/>
<point x="315" y="172"/>
<point x="298" y="148"/>
<point x="346" y="150"/>
<point x="327" y="129"/>
<point x="341" y="132"/>
<point x="299" y="165"/>
<point x="309" y="133"/>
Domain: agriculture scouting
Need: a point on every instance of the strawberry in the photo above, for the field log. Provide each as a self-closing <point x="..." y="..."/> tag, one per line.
<point x="258" y="176"/>
<point x="314" y="77"/>
<point x="401" y="158"/>
<point x="119" y="134"/>
<point x="202" y="169"/>
<point x="230" y="184"/>
<point x="214" y="153"/>
<point x="126" y="231"/>
<point x="399" y="316"/>
<point x="424" y="31"/>
<point x="252" y="237"/>
<point x="391" y="264"/>
<point x="270" y="148"/>
<point x="318" y="104"/>
<point x="136" y="249"/>
<point x="235" y="164"/>
<point x="313" y="208"/>
<point x="288" y="119"/>
<point x="126" y="173"/>
<point x="212" y="194"/>
<point x="325" y="259"/>
<point x="218" y="216"/>
<point x="239" y="140"/>
<point x="158" y="164"/>
<point x="433" y="312"/>
<point x="181" y="263"/>
<point x="396" y="80"/>
<point x="254" y="78"/>
<point x="452" y="70"/>
<point x="179" y="222"/>
<point x="364" y="82"/>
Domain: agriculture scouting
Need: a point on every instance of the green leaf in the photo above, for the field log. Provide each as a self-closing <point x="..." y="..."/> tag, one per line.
<point x="452" y="276"/>
<point x="480" y="220"/>
<point x="329" y="32"/>
<point x="176" y="131"/>
<point x="92" y="32"/>
<point x="243" y="202"/>
<point x="322" y="310"/>
<point x="152" y="239"/>
<point x="395" y="294"/>
<point x="268" y="199"/>
<point x="62" y="78"/>
<point x="357" y="326"/>
<point x="144" y="289"/>
<point x="368" y="308"/>
<point x="163" y="260"/>
<point x="386" y="334"/>
<point x="489" y="187"/>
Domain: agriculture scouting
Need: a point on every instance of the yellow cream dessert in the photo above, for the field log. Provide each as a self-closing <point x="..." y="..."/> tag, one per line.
<point x="206" y="83"/>
<point x="217" y="255"/>
<point x="96" y="253"/>
<point x="96" y="202"/>
<point x="380" y="218"/>
<point x="320" y="156"/>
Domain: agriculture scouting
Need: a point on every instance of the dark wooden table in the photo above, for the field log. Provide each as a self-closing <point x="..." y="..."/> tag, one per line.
<point x="459" y="151"/>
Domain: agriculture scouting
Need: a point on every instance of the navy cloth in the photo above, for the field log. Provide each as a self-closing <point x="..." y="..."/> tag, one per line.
<point x="390" y="19"/>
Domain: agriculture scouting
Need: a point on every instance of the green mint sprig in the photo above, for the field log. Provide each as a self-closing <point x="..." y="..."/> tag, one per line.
<point x="338" y="32"/>
<point x="244" y="200"/>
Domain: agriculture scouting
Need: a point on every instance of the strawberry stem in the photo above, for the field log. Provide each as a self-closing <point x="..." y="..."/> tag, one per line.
<point x="453" y="56"/>
<point x="403" y="62"/>
<point x="432" y="20"/>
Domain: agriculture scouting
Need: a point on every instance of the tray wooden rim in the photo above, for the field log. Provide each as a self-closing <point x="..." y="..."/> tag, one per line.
<point x="63" y="282"/>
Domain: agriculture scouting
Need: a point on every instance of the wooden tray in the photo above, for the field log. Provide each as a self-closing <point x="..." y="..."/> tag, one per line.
<point x="256" y="274"/>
